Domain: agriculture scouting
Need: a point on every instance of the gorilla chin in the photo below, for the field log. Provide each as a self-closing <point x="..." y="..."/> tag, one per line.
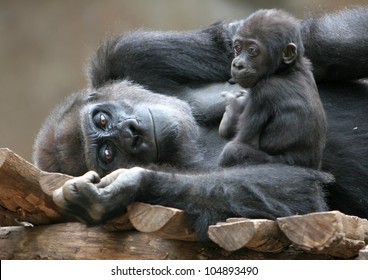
<point x="122" y="125"/>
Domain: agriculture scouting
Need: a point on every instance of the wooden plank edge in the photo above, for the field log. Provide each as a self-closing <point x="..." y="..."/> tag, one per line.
<point x="332" y="233"/>
<point x="256" y="234"/>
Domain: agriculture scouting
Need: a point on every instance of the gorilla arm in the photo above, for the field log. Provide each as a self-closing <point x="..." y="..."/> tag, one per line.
<point x="336" y="44"/>
<point x="267" y="191"/>
<point x="167" y="61"/>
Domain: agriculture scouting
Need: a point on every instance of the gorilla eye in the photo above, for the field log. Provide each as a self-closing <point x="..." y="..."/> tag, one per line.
<point x="252" y="51"/>
<point x="237" y="48"/>
<point x="106" y="154"/>
<point x="103" y="120"/>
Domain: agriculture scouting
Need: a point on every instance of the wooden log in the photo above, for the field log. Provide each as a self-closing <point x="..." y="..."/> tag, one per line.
<point x="26" y="198"/>
<point x="363" y="254"/>
<point x="162" y="221"/>
<point x="330" y="233"/>
<point x="21" y="196"/>
<point x="256" y="234"/>
<point x="78" y="241"/>
<point x="119" y="223"/>
<point x="49" y="182"/>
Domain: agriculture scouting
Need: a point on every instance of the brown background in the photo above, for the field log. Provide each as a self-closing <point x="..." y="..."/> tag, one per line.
<point x="45" y="46"/>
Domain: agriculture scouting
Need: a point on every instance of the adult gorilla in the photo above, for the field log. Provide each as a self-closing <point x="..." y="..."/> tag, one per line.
<point x="119" y="124"/>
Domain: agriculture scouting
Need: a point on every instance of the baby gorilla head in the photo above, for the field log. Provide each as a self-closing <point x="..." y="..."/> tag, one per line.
<point x="117" y="126"/>
<point x="267" y="42"/>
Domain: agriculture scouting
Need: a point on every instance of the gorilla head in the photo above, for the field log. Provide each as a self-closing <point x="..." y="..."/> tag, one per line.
<point x="117" y="126"/>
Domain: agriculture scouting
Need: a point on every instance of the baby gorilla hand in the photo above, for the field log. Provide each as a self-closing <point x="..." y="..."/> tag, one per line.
<point x="94" y="200"/>
<point x="235" y="103"/>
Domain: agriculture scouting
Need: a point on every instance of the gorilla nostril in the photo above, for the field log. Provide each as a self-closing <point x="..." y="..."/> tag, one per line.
<point x="137" y="142"/>
<point x="133" y="129"/>
<point x="128" y="128"/>
<point x="131" y="136"/>
<point x="238" y="65"/>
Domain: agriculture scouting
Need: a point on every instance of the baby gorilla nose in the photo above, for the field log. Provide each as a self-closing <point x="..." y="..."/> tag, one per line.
<point x="238" y="64"/>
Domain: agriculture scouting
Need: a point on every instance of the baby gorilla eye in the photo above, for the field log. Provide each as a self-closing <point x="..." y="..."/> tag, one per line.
<point x="237" y="48"/>
<point x="253" y="51"/>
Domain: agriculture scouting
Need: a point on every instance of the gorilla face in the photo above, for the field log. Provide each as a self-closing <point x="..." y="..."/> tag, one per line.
<point x="117" y="134"/>
<point x="118" y="126"/>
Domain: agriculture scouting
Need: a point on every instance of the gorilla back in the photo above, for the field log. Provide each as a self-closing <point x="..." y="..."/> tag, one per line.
<point x="124" y="125"/>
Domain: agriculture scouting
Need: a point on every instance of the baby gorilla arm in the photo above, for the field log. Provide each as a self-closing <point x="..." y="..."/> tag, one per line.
<point x="254" y="192"/>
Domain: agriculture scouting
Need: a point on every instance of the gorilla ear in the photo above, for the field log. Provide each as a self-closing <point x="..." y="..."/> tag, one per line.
<point x="289" y="53"/>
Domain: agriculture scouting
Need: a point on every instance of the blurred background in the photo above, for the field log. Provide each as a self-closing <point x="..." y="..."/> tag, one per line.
<point x="45" y="46"/>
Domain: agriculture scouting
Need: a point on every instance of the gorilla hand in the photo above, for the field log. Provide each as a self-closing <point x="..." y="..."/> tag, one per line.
<point x="95" y="200"/>
<point x="235" y="103"/>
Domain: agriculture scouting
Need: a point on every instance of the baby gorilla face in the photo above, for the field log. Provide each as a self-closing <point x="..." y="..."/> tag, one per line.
<point x="267" y="42"/>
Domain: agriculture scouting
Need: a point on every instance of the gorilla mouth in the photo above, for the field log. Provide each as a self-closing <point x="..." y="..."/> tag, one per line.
<point x="154" y="134"/>
<point x="246" y="81"/>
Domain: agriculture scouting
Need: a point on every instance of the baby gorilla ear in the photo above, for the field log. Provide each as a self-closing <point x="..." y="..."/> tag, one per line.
<point x="289" y="53"/>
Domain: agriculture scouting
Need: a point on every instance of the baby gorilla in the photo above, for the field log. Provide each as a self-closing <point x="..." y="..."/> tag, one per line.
<point x="281" y="119"/>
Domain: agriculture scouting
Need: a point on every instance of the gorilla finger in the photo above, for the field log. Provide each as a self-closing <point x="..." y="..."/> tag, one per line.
<point x="110" y="178"/>
<point x="70" y="190"/>
<point x="92" y="176"/>
<point x="59" y="199"/>
<point x="242" y="92"/>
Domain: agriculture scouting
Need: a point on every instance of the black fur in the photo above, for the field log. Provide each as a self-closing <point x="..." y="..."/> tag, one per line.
<point x="168" y="63"/>
<point x="333" y="41"/>
<point x="195" y="63"/>
<point x="282" y="119"/>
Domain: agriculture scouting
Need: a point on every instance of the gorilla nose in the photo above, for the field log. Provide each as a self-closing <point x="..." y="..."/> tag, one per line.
<point x="131" y="136"/>
<point x="238" y="64"/>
